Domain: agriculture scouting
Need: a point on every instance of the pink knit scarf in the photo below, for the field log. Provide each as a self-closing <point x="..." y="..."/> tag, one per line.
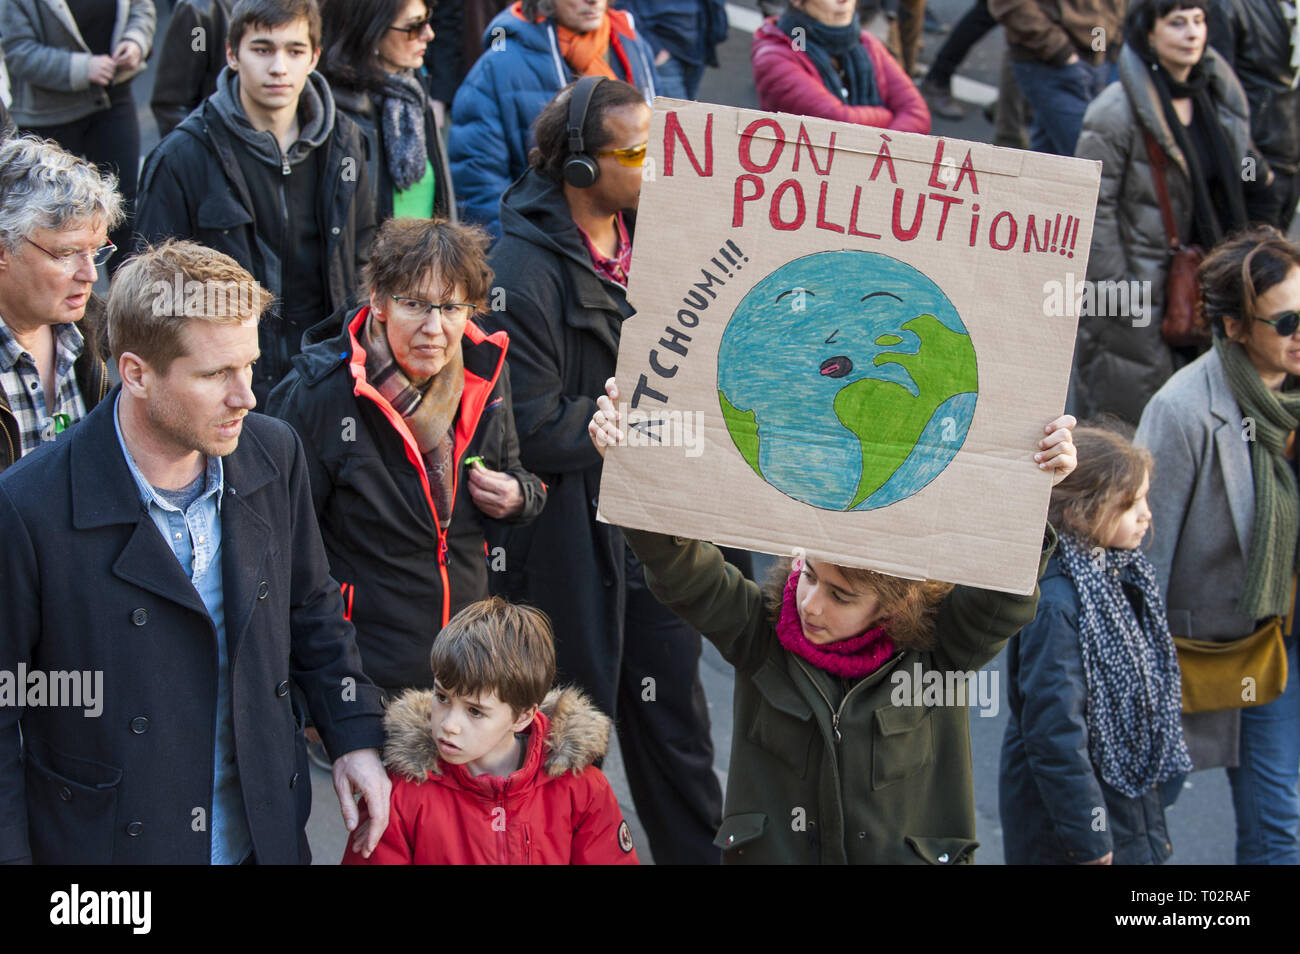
<point x="850" y="658"/>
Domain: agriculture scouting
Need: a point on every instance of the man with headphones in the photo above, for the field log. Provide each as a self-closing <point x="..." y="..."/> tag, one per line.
<point x="561" y="273"/>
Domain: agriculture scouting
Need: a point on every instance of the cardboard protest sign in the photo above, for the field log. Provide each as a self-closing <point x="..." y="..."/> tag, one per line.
<point x="847" y="340"/>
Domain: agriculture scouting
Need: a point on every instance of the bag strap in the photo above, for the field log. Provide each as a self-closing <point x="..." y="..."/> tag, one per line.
<point x="1157" y="157"/>
<point x="1290" y="616"/>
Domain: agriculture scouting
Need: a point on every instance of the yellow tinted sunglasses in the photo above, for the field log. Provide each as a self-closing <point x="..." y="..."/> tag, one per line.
<point x="631" y="156"/>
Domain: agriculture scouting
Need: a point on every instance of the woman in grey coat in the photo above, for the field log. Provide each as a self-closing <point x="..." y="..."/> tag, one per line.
<point x="1226" y="519"/>
<point x="71" y="63"/>
<point x="1186" y="97"/>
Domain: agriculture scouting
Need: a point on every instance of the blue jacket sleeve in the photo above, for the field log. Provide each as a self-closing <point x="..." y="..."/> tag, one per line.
<point x="478" y="148"/>
<point x="1055" y="732"/>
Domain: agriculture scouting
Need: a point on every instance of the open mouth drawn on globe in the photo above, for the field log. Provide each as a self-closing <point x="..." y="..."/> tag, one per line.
<point x="847" y="380"/>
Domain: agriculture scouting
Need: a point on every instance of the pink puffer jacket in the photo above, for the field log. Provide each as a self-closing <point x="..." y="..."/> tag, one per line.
<point x="788" y="82"/>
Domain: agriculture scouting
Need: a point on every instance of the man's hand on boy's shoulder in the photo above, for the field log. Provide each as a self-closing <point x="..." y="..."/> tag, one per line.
<point x="361" y="773"/>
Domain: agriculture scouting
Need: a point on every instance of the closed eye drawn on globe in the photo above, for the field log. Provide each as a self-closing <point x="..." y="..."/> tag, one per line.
<point x="859" y="396"/>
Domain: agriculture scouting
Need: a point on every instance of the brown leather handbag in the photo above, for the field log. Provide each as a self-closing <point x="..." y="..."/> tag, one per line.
<point x="1181" y="326"/>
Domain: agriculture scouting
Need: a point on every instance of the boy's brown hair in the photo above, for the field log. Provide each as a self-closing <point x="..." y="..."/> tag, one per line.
<point x="157" y="293"/>
<point x="500" y="647"/>
<point x="909" y="605"/>
<point x="1111" y="468"/>
<point x="272" y="14"/>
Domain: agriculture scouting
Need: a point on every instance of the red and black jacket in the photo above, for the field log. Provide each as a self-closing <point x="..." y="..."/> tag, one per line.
<point x="402" y="574"/>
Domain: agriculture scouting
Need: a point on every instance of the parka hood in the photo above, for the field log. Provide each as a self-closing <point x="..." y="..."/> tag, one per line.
<point x="533" y="209"/>
<point x="577" y="734"/>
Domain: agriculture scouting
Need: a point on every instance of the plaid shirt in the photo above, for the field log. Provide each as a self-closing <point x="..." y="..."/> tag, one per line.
<point x="615" y="269"/>
<point x="21" y="384"/>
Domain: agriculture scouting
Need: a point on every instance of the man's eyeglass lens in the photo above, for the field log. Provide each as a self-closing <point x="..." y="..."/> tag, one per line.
<point x="98" y="257"/>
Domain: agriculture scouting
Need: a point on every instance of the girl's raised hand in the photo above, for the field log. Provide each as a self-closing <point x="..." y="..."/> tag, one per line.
<point x="1056" y="451"/>
<point x="603" y="428"/>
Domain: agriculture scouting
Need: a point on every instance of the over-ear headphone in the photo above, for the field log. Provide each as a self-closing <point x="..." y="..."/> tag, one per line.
<point x="580" y="170"/>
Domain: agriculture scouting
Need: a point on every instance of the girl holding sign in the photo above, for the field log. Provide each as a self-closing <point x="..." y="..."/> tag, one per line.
<point x="841" y="754"/>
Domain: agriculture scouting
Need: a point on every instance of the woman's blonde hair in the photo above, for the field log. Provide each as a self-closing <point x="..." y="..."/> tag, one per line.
<point x="910" y="605"/>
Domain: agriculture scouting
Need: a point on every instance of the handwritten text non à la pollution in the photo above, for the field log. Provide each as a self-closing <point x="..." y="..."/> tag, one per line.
<point x="945" y="208"/>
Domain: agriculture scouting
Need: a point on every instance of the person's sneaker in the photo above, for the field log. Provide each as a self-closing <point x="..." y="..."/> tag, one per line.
<point x="940" y="100"/>
<point x="933" y="24"/>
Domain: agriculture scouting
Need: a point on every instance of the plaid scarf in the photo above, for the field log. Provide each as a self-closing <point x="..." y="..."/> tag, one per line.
<point x="428" y="410"/>
<point x="1134" y="688"/>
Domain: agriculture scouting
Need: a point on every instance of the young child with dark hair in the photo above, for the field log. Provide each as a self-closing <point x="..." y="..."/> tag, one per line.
<point x="1093" y="681"/>
<point x="493" y="766"/>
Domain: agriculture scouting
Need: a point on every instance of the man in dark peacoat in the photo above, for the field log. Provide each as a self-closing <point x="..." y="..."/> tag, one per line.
<point x="102" y="592"/>
<point x="178" y="742"/>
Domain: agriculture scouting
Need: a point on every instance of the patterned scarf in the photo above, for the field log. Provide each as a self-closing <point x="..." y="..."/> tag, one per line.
<point x="429" y="410"/>
<point x="851" y="658"/>
<point x="402" y="126"/>
<point x="1134" y="702"/>
<point x="1276" y="534"/>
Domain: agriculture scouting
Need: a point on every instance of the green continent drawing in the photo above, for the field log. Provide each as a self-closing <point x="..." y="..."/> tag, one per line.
<point x="847" y="380"/>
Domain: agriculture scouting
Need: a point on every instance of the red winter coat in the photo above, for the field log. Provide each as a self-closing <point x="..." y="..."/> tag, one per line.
<point x="788" y="82"/>
<point x="557" y="808"/>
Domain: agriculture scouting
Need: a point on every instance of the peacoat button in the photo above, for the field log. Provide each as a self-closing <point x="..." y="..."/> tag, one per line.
<point x="282" y="689"/>
<point x="140" y="616"/>
<point x="943" y="858"/>
<point x="65" y="793"/>
<point x="263" y="588"/>
<point x="135" y="828"/>
<point x="293" y="781"/>
<point x="139" y="725"/>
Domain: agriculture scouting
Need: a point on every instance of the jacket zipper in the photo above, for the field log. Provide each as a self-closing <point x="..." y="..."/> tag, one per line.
<point x="284" y="219"/>
<point x="835" y="712"/>
<point x="503" y="836"/>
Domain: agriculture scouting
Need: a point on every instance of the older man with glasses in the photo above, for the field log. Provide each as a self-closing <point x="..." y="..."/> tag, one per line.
<point x="55" y="214"/>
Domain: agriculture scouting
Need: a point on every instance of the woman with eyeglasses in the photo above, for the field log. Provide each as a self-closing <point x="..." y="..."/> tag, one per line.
<point x="373" y="56"/>
<point x="405" y="415"/>
<point x="1226" y="524"/>
<point x="1183" y="97"/>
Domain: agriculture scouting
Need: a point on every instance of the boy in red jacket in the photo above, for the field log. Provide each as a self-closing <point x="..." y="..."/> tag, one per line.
<point x="490" y="767"/>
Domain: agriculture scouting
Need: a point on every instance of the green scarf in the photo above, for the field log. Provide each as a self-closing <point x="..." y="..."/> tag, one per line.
<point x="1273" y="546"/>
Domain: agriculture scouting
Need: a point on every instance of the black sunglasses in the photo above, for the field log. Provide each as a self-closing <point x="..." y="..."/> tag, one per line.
<point x="1284" y="324"/>
<point x="413" y="30"/>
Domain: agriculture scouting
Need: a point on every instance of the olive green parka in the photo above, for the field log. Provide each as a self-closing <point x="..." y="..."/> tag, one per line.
<point x="825" y="771"/>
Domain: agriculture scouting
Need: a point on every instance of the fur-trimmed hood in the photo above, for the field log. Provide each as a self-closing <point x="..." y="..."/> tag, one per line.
<point x="576" y="732"/>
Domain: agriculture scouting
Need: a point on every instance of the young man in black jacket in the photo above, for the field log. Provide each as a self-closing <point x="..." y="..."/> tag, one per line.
<point x="1258" y="38"/>
<point x="267" y="172"/>
<point x="561" y="268"/>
